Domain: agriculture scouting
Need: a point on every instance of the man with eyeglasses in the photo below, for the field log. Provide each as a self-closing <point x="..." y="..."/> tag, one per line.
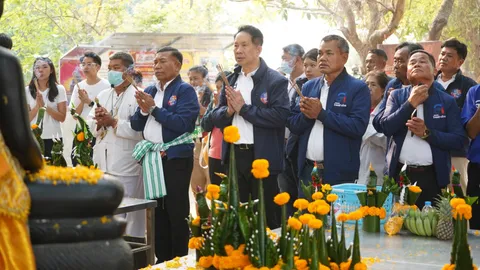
<point x="85" y="92"/>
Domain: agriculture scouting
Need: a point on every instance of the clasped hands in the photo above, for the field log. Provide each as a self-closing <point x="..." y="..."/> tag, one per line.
<point x="418" y="95"/>
<point x="235" y="100"/>
<point x="144" y="100"/>
<point x="310" y="107"/>
<point x="104" y="118"/>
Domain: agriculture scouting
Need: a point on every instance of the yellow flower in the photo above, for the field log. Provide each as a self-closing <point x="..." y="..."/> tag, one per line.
<point x="230" y="134"/>
<point x="264" y="268"/>
<point x="342" y="217"/>
<point x="323" y="209"/>
<point x="464" y="210"/>
<point x="415" y="189"/>
<point x="360" y="266"/>
<point x="355" y="215"/>
<point x="196" y="221"/>
<point x="323" y="267"/>
<point x="221" y="175"/>
<point x="213" y="188"/>
<point x="81" y="136"/>
<point x="345" y="265"/>
<point x="371" y="211"/>
<point x="260" y="168"/>
<point x="312" y="207"/>
<point x="300" y="204"/>
<point x="294" y="223"/>
<point x="305" y="218"/>
<point x="195" y="243"/>
<point x="332" y="197"/>
<point x="383" y="213"/>
<point x="206" y="261"/>
<point x="34" y="126"/>
<point x="456" y="202"/>
<point x="326" y="188"/>
<point x="364" y="210"/>
<point x="213" y="196"/>
<point x="334" y="266"/>
<point x="315" y="223"/>
<point x="317" y="196"/>
<point x="281" y="198"/>
<point x="301" y="264"/>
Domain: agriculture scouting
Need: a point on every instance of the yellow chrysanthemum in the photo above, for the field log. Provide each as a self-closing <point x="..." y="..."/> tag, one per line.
<point x="315" y="223"/>
<point x="317" y="196"/>
<point x="323" y="209"/>
<point x="332" y="197"/>
<point x="456" y="202"/>
<point x="383" y="213"/>
<point x="312" y="207"/>
<point x="415" y="189"/>
<point x="326" y="188"/>
<point x="213" y="188"/>
<point x="342" y="217"/>
<point x="364" y="210"/>
<point x="260" y="168"/>
<point x="305" y="218"/>
<point x="334" y="266"/>
<point x="300" y="204"/>
<point x="360" y="266"/>
<point x="231" y="134"/>
<point x="212" y="196"/>
<point x="205" y="261"/>
<point x="355" y="215"/>
<point x="301" y="264"/>
<point x="294" y="223"/>
<point x="464" y="210"/>
<point x="345" y="265"/>
<point x="282" y="198"/>
<point x="34" y="126"/>
<point x="323" y="267"/>
<point x="81" y="136"/>
<point x="196" y="221"/>
<point x="371" y="211"/>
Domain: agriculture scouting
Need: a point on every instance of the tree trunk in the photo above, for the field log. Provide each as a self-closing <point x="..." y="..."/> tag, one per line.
<point x="440" y="20"/>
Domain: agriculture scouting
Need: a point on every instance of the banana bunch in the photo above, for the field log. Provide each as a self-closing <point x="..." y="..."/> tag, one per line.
<point x="423" y="224"/>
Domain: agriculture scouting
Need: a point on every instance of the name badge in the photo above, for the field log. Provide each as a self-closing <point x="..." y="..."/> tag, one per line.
<point x="264" y="98"/>
<point x="439" y="111"/>
<point x="341" y="100"/>
<point x="172" y="101"/>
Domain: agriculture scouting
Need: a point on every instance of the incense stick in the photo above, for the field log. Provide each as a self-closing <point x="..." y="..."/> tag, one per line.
<point x="130" y="80"/>
<point x="297" y="89"/>
<point x="222" y="74"/>
<point x="36" y="84"/>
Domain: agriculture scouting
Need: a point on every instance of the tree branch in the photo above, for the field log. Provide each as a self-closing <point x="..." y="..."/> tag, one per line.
<point x="337" y="17"/>
<point x="440" y="20"/>
<point x="98" y="13"/>
<point x="54" y="22"/>
<point x="380" y="35"/>
<point x="375" y="16"/>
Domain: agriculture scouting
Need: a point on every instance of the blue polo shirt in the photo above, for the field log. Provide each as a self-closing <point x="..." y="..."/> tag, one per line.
<point x="472" y="103"/>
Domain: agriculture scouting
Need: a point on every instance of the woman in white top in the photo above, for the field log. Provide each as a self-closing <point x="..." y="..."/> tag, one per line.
<point x="50" y="95"/>
<point x="374" y="144"/>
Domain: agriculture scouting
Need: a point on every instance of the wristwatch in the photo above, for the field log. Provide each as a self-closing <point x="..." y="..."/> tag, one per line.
<point x="91" y="104"/>
<point x="151" y="109"/>
<point x="426" y="133"/>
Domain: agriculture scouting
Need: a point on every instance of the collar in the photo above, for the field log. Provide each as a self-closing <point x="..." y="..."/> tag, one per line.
<point x="159" y="88"/>
<point x="251" y="73"/>
<point x="259" y="73"/>
<point x="439" y="74"/>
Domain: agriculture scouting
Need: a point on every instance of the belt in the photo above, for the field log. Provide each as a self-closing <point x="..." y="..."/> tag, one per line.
<point x="244" y="146"/>
<point x="312" y="163"/>
<point x="417" y="168"/>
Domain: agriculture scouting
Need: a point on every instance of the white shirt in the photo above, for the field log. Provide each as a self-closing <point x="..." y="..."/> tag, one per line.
<point x="415" y="150"/>
<point x="51" y="127"/>
<point x="153" y="129"/>
<point x="447" y="83"/>
<point x="92" y="91"/>
<point x="315" y="146"/>
<point x="244" y="84"/>
<point x="113" y="153"/>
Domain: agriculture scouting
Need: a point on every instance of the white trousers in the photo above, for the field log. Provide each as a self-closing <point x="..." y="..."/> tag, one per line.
<point x="133" y="186"/>
<point x="460" y="164"/>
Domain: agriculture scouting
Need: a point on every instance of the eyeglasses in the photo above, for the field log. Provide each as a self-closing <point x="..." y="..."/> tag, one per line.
<point x="88" y="65"/>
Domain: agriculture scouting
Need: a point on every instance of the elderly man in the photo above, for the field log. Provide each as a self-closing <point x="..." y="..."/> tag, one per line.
<point x="376" y="60"/>
<point x="331" y="118"/>
<point x="258" y="105"/>
<point x="115" y="140"/>
<point x="166" y="115"/>
<point x="425" y="126"/>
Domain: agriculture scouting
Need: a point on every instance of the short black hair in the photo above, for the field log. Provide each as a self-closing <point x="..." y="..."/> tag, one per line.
<point x="175" y="53"/>
<point x="200" y="69"/>
<point x="410" y="46"/>
<point x="379" y="52"/>
<point x="312" y="55"/>
<point x="430" y="57"/>
<point x="294" y="50"/>
<point x="127" y="59"/>
<point x="342" y="43"/>
<point x="458" y="46"/>
<point x="5" y="41"/>
<point x="255" y="33"/>
<point x="96" y="59"/>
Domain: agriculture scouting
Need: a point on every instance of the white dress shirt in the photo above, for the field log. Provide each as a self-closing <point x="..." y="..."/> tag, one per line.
<point x="447" y="83"/>
<point x="92" y="91"/>
<point x="153" y="129"/>
<point x="244" y="84"/>
<point x="315" y="146"/>
<point x="415" y="150"/>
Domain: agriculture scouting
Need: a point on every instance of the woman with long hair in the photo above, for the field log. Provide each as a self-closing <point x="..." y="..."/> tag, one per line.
<point x="45" y="92"/>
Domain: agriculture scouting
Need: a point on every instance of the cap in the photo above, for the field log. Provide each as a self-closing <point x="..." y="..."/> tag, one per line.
<point x="428" y="203"/>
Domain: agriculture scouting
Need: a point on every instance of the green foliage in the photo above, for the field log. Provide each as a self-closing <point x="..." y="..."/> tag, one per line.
<point x="418" y="17"/>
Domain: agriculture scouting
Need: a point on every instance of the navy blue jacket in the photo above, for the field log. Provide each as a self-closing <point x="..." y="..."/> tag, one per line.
<point x="345" y="118"/>
<point x="178" y="115"/>
<point x="291" y="149"/>
<point x="442" y="118"/>
<point x="268" y="119"/>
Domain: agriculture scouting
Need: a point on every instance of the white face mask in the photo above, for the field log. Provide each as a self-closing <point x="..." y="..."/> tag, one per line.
<point x="287" y="66"/>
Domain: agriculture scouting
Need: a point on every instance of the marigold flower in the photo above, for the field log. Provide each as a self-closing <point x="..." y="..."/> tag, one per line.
<point x="332" y="197"/>
<point x="323" y="209"/>
<point x="345" y="265"/>
<point x="228" y="249"/>
<point x="213" y="188"/>
<point x="294" y="223"/>
<point x="264" y="268"/>
<point x="231" y="134"/>
<point x="360" y="266"/>
<point x="464" y="210"/>
<point x="377" y="211"/>
<point x="315" y="223"/>
<point x="371" y="211"/>
<point x="364" y="210"/>
<point x="260" y="168"/>
<point x="206" y="261"/>
<point x="317" y="196"/>
<point x="196" y="221"/>
<point x="305" y="218"/>
<point x="300" y="204"/>
<point x="34" y="126"/>
<point x="81" y="136"/>
<point x="312" y="207"/>
<point x="415" y="189"/>
<point x="355" y="215"/>
<point x="456" y="202"/>
<point x="323" y="267"/>
<point x="342" y="217"/>
<point x="383" y="213"/>
<point x="326" y="187"/>
<point x="334" y="266"/>
<point x="301" y="263"/>
<point x="282" y="198"/>
<point x="213" y="196"/>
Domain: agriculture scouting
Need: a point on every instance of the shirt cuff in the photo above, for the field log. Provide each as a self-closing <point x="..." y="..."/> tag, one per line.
<point x="144" y="114"/>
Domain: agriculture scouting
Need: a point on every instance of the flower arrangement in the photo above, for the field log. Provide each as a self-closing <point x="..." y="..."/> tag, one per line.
<point x="57" y="154"/>
<point x="66" y="175"/>
<point x="409" y="193"/>
<point x="82" y="140"/>
<point x="37" y="129"/>
<point x="316" y="184"/>
<point x="372" y="202"/>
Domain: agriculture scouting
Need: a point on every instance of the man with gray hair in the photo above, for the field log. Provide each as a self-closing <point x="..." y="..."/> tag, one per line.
<point x="331" y="118"/>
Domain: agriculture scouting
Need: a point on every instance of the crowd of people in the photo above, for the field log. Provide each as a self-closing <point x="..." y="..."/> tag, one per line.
<point x="166" y="140"/>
